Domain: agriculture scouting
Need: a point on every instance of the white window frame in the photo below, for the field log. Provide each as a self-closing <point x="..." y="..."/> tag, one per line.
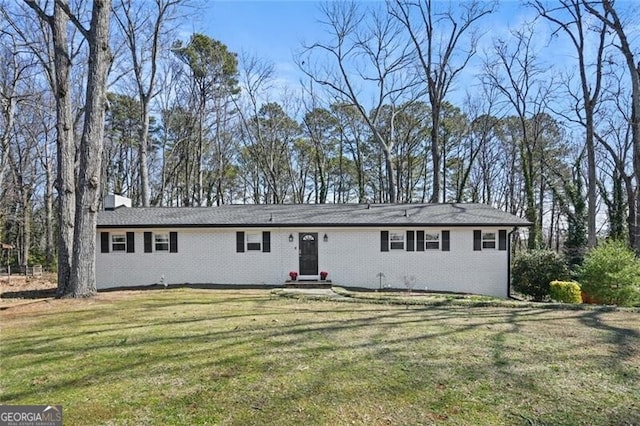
<point x="397" y="239"/>
<point x="253" y="241"/>
<point x="119" y="241"/>
<point x="160" y="241"/>
<point x="433" y="238"/>
<point x="489" y="240"/>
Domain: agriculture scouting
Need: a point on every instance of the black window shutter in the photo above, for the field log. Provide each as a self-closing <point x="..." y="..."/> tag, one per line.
<point x="502" y="239"/>
<point x="104" y="242"/>
<point x="173" y="242"/>
<point x="148" y="237"/>
<point x="445" y="241"/>
<point x="131" y="242"/>
<point x="384" y="240"/>
<point x="410" y="241"/>
<point x="266" y="241"/>
<point x="240" y="242"/>
<point x="420" y="240"/>
<point x="477" y="240"/>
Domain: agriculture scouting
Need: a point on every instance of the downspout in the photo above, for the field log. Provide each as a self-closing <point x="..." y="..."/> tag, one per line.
<point x="509" y="261"/>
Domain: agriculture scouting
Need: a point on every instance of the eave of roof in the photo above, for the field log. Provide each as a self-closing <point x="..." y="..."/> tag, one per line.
<point x="311" y="215"/>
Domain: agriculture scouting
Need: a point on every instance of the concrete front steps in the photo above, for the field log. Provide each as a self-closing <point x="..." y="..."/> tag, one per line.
<point x="308" y="284"/>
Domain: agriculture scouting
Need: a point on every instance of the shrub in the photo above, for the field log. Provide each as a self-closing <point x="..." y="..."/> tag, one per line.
<point x="610" y="274"/>
<point x="565" y="291"/>
<point x="533" y="271"/>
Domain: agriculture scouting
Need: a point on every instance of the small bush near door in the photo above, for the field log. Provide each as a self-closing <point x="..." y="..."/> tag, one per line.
<point x="565" y="291"/>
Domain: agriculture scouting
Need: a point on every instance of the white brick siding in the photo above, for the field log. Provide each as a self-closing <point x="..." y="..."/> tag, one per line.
<point x="352" y="257"/>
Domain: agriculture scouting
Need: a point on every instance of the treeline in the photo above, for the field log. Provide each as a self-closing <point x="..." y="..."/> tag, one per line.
<point x="400" y="102"/>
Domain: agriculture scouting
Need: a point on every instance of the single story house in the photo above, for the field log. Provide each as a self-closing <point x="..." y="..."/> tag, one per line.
<point x="440" y="247"/>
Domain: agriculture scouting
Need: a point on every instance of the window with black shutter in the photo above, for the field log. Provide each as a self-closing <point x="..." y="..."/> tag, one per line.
<point x="432" y="240"/>
<point x="488" y="240"/>
<point x="396" y="240"/>
<point x="119" y="243"/>
<point x="254" y="241"/>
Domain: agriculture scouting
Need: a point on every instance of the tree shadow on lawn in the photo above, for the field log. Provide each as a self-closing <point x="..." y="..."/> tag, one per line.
<point x="625" y="340"/>
<point x="28" y="295"/>
<point x="268" y="321"/>
<point x="196" y="348"/>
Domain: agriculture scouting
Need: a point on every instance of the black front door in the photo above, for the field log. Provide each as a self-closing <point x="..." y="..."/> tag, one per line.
<point x="308" y="253"/>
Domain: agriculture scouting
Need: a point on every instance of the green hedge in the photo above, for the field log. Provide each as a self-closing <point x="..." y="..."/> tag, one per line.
<point x="533" y="270"/>
<point x="610" y="274"/>
<point x="565" y="291"/>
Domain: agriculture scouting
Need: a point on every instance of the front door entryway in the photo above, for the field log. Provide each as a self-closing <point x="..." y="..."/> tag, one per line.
<point x="308" y="253"/>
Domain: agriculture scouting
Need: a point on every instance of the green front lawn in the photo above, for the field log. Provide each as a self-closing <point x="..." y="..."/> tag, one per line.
<point x="186" y="356"/>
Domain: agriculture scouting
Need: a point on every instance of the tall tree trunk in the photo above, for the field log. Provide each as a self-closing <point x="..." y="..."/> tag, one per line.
<point x="65" y="145"/>
<point x="388" y="163"/>
<point x="611" y="19"/>
<point x="66" y="150"/>
<point x="26" y="227"/>
<point x="48" y="212"/>
<point x="435" y="154"/>
<point x="143" y="153"/>
<point x="83" y="279"/>
<point x="591" y="183"/>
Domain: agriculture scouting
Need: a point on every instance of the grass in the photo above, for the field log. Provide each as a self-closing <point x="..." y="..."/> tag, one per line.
<point x="186" y="356"/>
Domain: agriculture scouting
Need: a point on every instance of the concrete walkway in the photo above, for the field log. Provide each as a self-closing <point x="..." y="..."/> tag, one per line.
<point x="314" y="293"/>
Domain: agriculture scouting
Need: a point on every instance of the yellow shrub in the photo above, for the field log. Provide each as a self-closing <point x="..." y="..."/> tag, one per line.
<point x="565" y="291"/>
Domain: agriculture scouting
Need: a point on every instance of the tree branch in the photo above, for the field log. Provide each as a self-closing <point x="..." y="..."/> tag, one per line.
<point x="74" y="19"/>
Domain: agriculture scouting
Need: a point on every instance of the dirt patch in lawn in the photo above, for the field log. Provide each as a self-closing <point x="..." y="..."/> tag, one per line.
<point x="20" y="289"/>
<point x="20" y="286"/>
<point x="21" y="294"/>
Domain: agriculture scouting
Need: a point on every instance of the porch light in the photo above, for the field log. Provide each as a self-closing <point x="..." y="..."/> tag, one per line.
<point x="325" y="238"/>
<point x="290" y="238"/>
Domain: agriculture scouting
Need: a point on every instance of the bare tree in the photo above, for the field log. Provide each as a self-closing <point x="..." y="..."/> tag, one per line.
<point x="438" y="37"/>
<point x="373" y="54"/>
<point x="607" y="13"/>
<point x="76" y="273"/>
<point x="144" y="29"/>
<point x="83" y="280"/>
<point x="66" y="150"/>
<point x="615" y="135"/>
<point x="256" y="80"/>
<point x="515" y="73"/>
<point x="567" y="16"/>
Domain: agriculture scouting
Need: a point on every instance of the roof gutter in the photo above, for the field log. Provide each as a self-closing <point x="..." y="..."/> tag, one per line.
<point x="509" y="261"/>
<point x="308" y="225"/>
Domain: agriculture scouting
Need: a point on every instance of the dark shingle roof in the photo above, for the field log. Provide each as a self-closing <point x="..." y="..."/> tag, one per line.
<point x="334" y="215"/>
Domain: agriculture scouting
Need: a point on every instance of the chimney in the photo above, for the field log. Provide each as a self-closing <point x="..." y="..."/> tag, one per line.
<point x="113" y="201"/>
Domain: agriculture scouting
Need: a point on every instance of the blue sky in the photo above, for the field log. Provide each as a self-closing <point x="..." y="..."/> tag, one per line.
<point x="275" y="30"/>
<point x="272" y="30"/>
